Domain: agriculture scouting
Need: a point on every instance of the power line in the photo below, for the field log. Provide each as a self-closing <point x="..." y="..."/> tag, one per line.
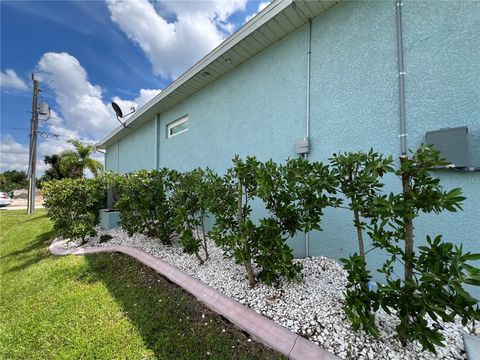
<point x="14" y="128"/>
<point x="43" y="133"/>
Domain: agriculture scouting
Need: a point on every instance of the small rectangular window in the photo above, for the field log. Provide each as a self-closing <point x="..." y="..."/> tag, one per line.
<point x="177" y="127"/>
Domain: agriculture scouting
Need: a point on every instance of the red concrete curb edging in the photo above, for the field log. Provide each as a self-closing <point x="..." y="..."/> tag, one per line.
<point x="264" y="330"/>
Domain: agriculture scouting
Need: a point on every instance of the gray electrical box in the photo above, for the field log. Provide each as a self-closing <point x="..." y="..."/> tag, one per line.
<point x="302" y="146"/>
<point x="452" y="143"/>
<point x="111" y="198"/>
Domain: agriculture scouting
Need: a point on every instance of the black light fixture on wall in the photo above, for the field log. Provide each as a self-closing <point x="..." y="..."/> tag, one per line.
<point x="119" y="113"/>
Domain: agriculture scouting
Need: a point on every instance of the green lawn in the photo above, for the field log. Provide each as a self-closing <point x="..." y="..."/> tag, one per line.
<point x="103" y="306"/>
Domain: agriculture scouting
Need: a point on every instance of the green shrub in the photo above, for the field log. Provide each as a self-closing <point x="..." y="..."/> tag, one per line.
<point x="113" y="181"/>
<point x="293" y="195"/>
<point x="433" y="278"/>
<point x="432" y="281"/>
<point x="233" y="230"/>
<point x="358" y="176"/>
<point x="145" y="203"/>
<point x="73" y="205"/>
<point x="192" y="199"/>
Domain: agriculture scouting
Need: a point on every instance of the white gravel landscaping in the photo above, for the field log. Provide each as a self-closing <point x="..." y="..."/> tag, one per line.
<point x="312" y="308"/>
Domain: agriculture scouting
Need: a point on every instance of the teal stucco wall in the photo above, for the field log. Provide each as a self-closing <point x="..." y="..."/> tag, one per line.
<point x="355" y="101"/>
<point x="111" y="158"/>
<point x="134" y="152"/>
<point x="259" y="108"/>
<point x="354" y="98"/>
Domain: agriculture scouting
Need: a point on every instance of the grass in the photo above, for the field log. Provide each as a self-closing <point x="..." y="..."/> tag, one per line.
<point x="102" y="306"/>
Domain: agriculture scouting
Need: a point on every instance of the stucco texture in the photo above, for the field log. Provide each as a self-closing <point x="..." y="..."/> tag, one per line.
<point x="134" y="152"/>
<point x="260" y="107"/>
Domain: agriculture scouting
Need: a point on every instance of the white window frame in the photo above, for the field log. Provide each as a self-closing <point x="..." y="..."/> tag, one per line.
<point x="176" y="123"/>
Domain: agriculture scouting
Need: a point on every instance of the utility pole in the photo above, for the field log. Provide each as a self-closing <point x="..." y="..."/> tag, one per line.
<point x="33" y="149"/>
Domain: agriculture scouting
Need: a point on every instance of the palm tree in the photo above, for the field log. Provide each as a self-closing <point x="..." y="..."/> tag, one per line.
<point x="54" y="171"/>
<point x="77" y="160"/>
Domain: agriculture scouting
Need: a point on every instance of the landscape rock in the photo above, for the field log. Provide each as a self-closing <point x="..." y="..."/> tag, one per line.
<point x="312" y="308"/>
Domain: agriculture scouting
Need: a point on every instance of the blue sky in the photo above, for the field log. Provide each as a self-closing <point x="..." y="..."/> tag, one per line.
<point x="88" y="53"/>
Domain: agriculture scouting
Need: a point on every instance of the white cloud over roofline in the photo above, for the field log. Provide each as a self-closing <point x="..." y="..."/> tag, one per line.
<point x="144" y="97"/>
<point x="172" y="46"/>
<point x="261" y="6"/>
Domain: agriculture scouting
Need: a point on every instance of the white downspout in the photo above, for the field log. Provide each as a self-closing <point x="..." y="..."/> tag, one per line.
<point x="401" y="78"/>
<point x="157" y="141"/>
<point x="307" y="122"/>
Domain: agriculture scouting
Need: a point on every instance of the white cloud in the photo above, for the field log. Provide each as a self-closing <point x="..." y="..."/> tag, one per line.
<point x="13" y="155"/>
<point x="261" y="6"/>
<point x="145" y="96"/>
<point x="10" y="80"/>
<point x="79" y="101"/>
<point x="217" y="10"/>
<point x="172" y="46"/>
<point x="52" y="138"/>
<point x="82" y="113"/>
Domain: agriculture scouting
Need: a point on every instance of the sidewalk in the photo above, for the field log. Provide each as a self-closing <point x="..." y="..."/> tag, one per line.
<point x="19" y="207"/>
<point x="21" y="204"/>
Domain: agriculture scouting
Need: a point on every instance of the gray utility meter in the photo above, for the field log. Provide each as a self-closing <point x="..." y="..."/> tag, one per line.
<point x="302" y="146"/>
<point x="452" y="143"/>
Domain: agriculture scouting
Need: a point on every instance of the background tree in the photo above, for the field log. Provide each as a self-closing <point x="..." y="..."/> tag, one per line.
<point x="13" y="180"/>
<point x="79" y="159"/>
<point x="54" y="172"/>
